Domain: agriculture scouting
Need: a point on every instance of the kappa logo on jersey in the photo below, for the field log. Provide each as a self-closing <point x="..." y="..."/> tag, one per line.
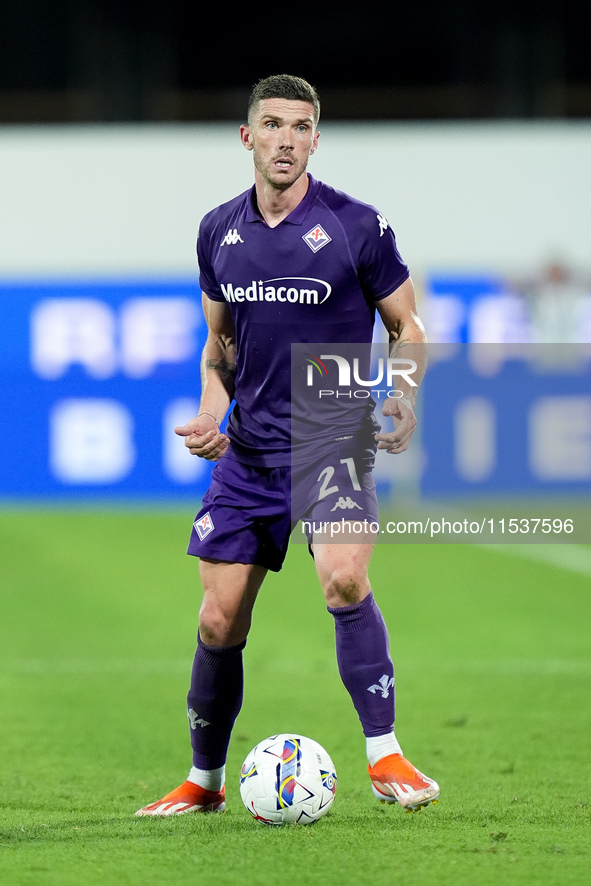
<point x="383" y="223"/>
<point x="231" y="238"/>
<point x="316" y="238"/>
<point x="383" y="686"/>
<point x="204" y="525"/>
<point x="345" y="504"/>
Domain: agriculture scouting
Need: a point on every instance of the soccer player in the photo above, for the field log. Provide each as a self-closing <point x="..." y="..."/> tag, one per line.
<point x="287" y="262"/>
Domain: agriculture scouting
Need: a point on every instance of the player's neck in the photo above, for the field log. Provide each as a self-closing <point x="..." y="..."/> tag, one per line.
<point x="275" y="204"/>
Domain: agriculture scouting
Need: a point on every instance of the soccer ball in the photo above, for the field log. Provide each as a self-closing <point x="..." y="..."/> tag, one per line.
<point x="288" y="779"/>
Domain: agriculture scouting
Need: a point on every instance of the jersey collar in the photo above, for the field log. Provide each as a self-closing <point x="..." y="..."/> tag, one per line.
<point x="296" y="217"/>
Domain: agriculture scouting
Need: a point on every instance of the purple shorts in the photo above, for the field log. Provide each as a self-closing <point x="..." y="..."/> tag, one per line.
<point x="248" y="513"/>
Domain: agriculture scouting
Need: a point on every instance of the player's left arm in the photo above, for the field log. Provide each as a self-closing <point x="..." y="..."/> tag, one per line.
<point x="408" y="341"/>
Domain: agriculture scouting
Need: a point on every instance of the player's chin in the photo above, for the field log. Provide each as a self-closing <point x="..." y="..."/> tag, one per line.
<point x="284" y="178"/>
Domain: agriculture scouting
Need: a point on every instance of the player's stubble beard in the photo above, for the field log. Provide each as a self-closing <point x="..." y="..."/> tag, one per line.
<point x="279" y="181"/>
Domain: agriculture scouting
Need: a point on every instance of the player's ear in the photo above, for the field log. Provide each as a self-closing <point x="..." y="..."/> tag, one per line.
<point x="246" y="137"/>
<point x="315" y="142"/>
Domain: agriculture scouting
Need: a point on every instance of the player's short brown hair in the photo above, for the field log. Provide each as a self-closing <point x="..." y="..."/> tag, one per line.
<point x="284" y="86"/>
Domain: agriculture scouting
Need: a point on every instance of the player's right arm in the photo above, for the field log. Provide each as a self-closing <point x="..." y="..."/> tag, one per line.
<point x="218" y="372"/>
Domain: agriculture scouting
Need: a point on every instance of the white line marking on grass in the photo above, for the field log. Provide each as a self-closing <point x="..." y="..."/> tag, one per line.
<point x="574" y="558"/>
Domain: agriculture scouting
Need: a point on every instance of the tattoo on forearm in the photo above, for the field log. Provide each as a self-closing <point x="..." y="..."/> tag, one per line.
<point x="395" y="341"/>
<point x="226" y="372"/>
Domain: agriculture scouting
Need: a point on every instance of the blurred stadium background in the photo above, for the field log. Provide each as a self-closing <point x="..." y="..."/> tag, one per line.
<point x="467" y="125"/>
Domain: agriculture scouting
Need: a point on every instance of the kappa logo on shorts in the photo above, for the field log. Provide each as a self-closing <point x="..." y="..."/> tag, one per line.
<point x="204" y="525"/>
<point x="345" y="504"/>
<point x="316" y="238"/>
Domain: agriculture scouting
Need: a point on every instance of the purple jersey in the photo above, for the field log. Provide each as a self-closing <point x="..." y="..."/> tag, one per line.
<point x="315" y="277"/>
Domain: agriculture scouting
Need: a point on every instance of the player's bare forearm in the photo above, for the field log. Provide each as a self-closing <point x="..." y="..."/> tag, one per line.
<point x="406" y="336"/>
<point x="218" y="372"/>
<point x="218" y="376"/>
<point x="218" y="359"/>
<point x="410" y="345"/>
<point x="202" y="433"/>
<point x="407" y="341"/>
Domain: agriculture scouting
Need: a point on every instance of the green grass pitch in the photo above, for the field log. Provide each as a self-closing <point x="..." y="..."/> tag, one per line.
<point x="97" y="631"/>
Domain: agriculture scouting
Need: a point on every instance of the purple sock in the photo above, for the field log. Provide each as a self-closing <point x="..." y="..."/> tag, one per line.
<point x="365" y="665"/>
<point x="214" y="701"/>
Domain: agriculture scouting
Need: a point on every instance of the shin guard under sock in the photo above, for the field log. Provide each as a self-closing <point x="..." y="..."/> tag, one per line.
<point x="365" y="665"/>
<point x="214" y="701"/>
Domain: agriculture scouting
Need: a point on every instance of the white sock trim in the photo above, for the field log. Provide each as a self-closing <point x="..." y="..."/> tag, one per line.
<point x="208" y="779"/>
<point x="378" y="746"/>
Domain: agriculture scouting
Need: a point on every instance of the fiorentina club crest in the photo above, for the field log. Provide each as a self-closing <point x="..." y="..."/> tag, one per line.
<point x="204" y="525"/>
<point x="316" y="238"/>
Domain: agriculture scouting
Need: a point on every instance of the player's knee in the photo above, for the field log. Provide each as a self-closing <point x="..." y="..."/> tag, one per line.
<point x="218" y="627"/>
<point x="344" y="587"/>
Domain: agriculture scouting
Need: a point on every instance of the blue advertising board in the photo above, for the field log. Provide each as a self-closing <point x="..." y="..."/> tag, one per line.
<point x="503" y="420"/>
<point x="95" y="375"/>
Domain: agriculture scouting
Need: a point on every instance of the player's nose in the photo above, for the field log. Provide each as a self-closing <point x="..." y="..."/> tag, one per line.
<point x="286" y="137"/>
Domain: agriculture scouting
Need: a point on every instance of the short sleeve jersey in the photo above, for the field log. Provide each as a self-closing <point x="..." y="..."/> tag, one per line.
<point x="315" y="277"/>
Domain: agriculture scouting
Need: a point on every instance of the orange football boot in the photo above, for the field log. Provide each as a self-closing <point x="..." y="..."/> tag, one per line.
<point x="188" y="797"/>
<point x="395" y="780"/>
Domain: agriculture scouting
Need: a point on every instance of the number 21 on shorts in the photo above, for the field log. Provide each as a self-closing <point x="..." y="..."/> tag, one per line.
<point x="326" y="475"/>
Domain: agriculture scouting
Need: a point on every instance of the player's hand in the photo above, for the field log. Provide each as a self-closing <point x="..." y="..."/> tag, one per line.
<point x="404" y="421"/>
<point x="203" y="438"/>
